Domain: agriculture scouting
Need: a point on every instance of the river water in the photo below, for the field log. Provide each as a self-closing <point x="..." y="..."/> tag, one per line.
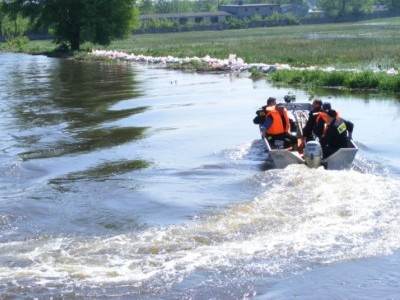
<point x="129" y="181"/>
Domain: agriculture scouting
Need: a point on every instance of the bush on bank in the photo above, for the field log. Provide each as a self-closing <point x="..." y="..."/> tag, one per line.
<point x="166" y="25"/>
<point x="366" y="80"/>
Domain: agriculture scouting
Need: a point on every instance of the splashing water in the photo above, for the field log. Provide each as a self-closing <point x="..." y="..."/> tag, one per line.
<point x="303" y="217"/>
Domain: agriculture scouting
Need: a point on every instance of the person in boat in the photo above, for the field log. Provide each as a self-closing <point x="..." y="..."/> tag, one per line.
<point x="337" y="133"/>
<point x="275" y="124"/>
<point x="315" y="124"/>
<point x="277" y="127"/>
<point x="261" y="113"/>
<point x="317" y="121"/>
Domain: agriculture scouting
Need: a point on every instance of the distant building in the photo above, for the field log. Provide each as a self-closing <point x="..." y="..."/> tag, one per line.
<point x="218" y="17"/>
<point x="195" y="18"/>
<point x="249" y="10"/>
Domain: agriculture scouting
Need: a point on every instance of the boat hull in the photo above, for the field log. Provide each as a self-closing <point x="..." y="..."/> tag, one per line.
<point x="340" y="160"/>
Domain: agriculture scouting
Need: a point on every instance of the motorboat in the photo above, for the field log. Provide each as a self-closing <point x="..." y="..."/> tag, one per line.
<point x="281" y="156"/>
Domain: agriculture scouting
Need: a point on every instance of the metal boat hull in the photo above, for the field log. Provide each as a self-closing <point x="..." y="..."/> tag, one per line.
<point x="340" y="160"/>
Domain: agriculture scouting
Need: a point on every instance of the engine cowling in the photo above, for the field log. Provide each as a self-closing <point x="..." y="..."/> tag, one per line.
<point x="313" y="154"/>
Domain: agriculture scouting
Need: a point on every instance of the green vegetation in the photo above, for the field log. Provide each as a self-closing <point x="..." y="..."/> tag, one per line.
<point x="167" y="25"/>
<point x="74" y="22"/>
<point x="340" y="8"/>
<point x="13" y="30"/>
<point x="366" y="80"/>
<point x="393" y="5"/>
<point x="181" y="6"/>
<point x="361" y="44"/>
<point x="176" y="6"/>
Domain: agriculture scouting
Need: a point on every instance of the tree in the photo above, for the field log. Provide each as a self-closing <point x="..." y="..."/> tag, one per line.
<point x="146" y="7"/>
<point x="12" y="28"/>
<point x="340" y="8"/>
<point x="135" y="19"/>
<point x="297" y="2"/>
<point x="392" y="5"/>
<point x="1" y="12"/>
<point x="76" y="21"/>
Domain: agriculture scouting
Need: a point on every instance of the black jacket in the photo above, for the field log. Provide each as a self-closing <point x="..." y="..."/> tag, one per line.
<point x="338" y="134"/>
<point x="313" y="127"/>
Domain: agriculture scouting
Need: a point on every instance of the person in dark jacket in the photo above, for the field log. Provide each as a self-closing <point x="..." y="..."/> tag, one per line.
<point x="312" y="126"/>
<point x="337" y="134"/>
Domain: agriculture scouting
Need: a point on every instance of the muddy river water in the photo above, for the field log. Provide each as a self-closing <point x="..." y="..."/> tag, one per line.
<point x="130" y="181"/>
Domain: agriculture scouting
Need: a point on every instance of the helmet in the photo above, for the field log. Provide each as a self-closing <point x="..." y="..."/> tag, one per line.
<point x="326" y="106"/>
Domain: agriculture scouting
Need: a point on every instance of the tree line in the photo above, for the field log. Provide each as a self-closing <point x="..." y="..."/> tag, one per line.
<point x="341" y="8"/>
<point x="331" y="7"/>
<point x="72" y="22"/>
<point x="182" y="6"/>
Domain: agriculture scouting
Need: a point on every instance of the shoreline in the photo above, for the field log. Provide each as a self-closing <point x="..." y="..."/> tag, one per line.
<point x="232" y="63"/>
<point x="369" y="80"/>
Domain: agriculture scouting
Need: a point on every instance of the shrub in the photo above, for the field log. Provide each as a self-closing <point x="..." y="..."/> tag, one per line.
<point x="363" y="80"/>
<point x="17" y="43"/>
<point x="236" y="23"/>
<point x="351" y="80"/>
<point x="277" y="18"/>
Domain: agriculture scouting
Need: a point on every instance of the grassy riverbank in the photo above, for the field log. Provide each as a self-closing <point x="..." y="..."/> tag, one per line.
<point x="363" y="45"/>
<point x="367" y="80"/>
<point x="360" y="44"/>
<point x="31" y="47"/>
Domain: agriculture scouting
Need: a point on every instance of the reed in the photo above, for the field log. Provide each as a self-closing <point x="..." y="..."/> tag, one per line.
<point x="366" y="80"/>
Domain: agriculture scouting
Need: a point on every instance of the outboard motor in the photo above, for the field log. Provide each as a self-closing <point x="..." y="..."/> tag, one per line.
<point x="289" y="98"/>
<point x="313" y="154"/>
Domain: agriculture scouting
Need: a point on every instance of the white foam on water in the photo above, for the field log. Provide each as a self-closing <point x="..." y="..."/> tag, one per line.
<point x="231" y="63"/>
<point x="238" y="153"/>
<point x="304" y="217"/>
<point x="251" y="151"/>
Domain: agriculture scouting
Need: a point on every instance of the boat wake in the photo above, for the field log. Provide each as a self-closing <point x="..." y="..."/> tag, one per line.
<point x="304" y="217"/>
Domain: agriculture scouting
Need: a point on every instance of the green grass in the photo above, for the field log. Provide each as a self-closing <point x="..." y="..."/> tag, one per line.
<point x="339" y="79"/>
<point x="33" y="47"/>
<point x="360" y="44"/>
<point x="347" y="44"/>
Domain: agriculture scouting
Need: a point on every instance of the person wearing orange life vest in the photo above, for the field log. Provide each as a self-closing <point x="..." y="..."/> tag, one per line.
<point x="322" y="120"/>
<point x="337" y="134"/>
<point x="277" y="127"/>
<point x="317" y="121"/>
<point x="261" y="118"/>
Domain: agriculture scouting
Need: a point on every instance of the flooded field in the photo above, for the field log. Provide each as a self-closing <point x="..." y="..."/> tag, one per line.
<point x="127" y="181"/>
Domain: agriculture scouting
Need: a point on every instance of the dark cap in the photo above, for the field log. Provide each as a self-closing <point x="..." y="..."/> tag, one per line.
<point x="280" y="106"/>
<point x="271" y="101"/>
<point x="332" y="113"/>
<point x="317" y="102"/>
<point x="326" y="106"/>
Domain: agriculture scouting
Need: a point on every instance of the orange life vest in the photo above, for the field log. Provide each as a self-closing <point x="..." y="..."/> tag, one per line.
<point x="324" y="116"/>
<point x="321" y="116"/>
<point x="280" y="121"/>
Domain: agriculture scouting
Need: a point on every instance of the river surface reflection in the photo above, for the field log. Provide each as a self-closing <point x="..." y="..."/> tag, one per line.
<point x="131" y="181"/>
